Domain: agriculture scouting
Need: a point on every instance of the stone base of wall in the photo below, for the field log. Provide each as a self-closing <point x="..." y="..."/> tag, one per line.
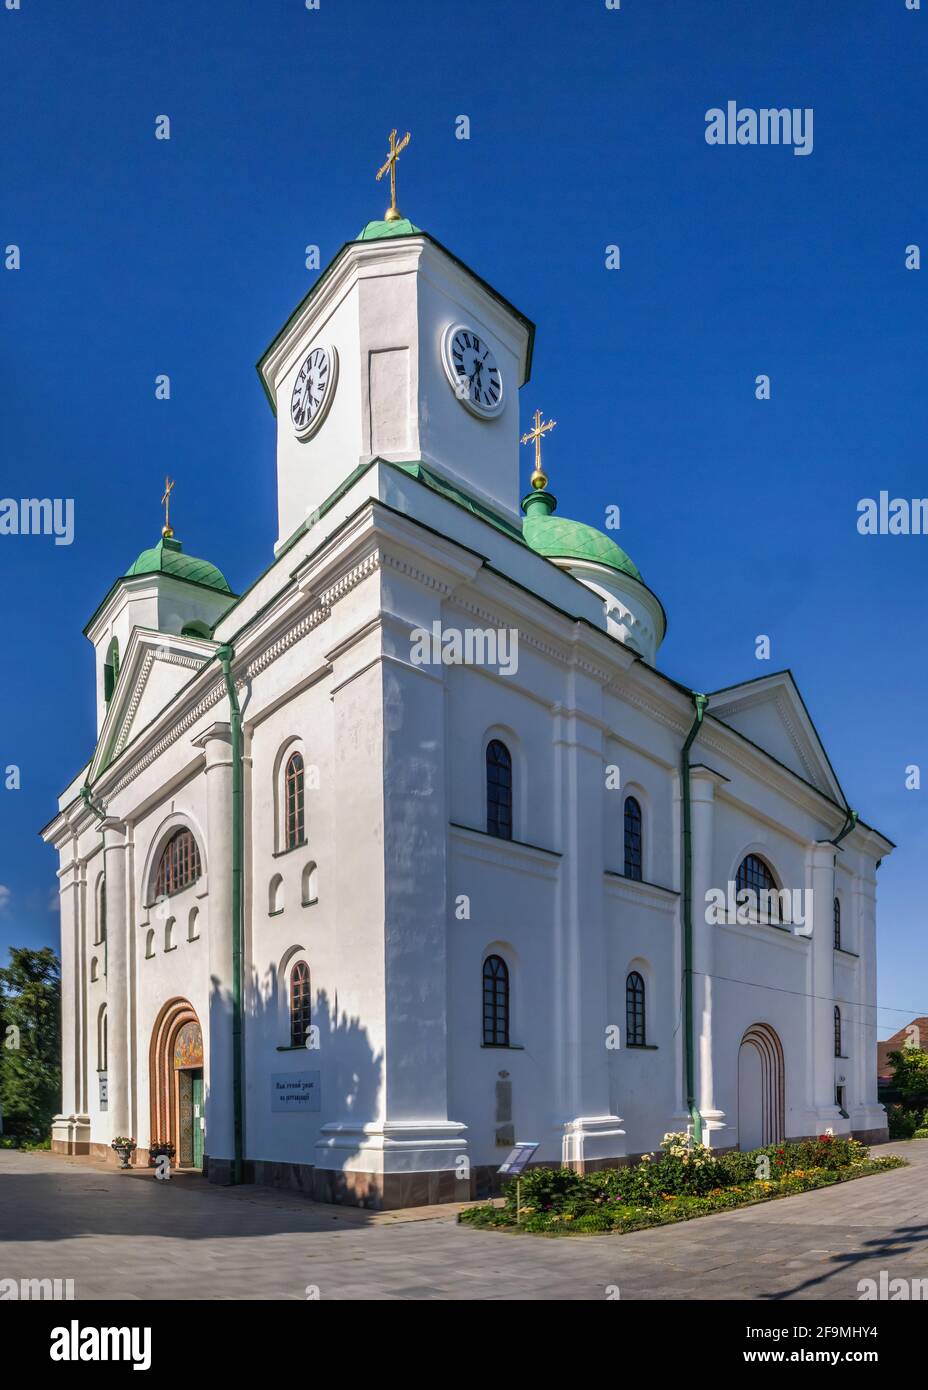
<point x="871" y="1136"/>
<point x="64" y="1146"/>
<point x="392" y="1191"/>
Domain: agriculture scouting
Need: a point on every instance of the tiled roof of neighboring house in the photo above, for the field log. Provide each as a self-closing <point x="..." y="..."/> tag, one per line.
<point x="884" y="1070"/>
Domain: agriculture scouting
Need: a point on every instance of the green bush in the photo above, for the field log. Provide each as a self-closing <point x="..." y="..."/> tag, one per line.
<point x="921" y="1133"/>
<point x="684" y="1180"/>
<point x="902" y="1122"/>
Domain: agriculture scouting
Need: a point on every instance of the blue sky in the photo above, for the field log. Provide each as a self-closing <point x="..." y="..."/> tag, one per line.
<point x="587" y="129"/>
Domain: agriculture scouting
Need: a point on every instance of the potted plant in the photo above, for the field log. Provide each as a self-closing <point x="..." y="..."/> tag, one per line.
<point x="162" y="1149"/>
<point x="124" y="1147"/>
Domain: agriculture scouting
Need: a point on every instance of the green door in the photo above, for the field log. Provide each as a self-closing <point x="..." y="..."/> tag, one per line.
<point x="198" y="1119"/>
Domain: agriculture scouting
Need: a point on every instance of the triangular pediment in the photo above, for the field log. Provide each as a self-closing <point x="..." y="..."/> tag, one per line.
<point x="155" y="667"/>
<point x="771" y="713"/>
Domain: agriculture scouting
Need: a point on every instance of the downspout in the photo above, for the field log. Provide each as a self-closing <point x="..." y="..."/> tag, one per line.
<point x="689" y="1041"/>
<point x="852" y="819"/>
<point x="225" y="655"/>
<point x="101" y="816"/>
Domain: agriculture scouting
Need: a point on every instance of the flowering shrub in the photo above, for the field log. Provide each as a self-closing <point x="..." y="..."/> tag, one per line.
<point x="682" y="1181"/>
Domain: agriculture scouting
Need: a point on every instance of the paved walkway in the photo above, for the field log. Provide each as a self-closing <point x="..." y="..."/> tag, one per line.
<point x="124" y="1236"/>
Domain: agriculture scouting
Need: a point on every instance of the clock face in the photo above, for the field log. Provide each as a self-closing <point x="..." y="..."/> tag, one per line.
<point x="472" y="371"/>
<point x="313" y="390"/>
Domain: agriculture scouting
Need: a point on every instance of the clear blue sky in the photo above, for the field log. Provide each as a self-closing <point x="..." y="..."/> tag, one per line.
<point x="185" y="257"/>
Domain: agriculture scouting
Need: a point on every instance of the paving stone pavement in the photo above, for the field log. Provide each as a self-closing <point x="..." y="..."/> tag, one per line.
<point x="128" y="1236"/>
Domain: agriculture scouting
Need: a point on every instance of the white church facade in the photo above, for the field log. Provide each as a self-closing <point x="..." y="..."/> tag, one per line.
<point x="343" y="912"/>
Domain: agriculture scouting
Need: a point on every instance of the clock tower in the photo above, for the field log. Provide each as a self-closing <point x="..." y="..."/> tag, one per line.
<point x="401" y="352"/>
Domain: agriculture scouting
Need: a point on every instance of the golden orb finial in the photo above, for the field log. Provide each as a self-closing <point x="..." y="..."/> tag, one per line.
<point x="167" y="529"/>
<point x="539" y="478"/>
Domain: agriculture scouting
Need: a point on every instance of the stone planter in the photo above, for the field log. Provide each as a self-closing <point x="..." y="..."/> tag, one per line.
<point x="124" y="1149"/>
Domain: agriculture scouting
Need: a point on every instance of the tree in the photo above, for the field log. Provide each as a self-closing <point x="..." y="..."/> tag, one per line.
<point x="30" y="1042"/>
<point x="910" y="1076"/>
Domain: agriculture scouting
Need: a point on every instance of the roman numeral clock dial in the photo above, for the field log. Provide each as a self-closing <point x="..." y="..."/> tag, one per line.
<point x="313" y="390"/>
<point x="472" y="370"/>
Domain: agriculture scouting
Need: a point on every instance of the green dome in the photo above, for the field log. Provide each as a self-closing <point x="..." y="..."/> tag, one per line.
<point x="559" y="538"/>
<point x="374" y="230"/>
<point x="167" y="557"/>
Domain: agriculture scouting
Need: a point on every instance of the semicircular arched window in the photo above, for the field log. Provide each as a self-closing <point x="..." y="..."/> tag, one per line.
<point x="179" y="865"/>
<point x="756" y="875"/>
<point x="499" y="790"/>
<point x="294" y="787"/>
<point x="300" y="1004"/>
<point x="633" y="854"/>
<point x="495" y="1002"/>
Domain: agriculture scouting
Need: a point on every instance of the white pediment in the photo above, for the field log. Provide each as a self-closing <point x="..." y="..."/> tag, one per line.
<point x="771" y="713"/>
<point x="156" y="666"/>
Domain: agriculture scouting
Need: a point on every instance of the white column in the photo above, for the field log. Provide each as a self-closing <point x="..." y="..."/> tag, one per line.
<point x="868" y="1117"/>
<point x="822" y="1003"/>
<point x="217" y="1035"/>
<point x="70" y="1128"/>
<point x="591" y="1130"/>
<point x="118" y="918"/>
<point x="704" y="783"/>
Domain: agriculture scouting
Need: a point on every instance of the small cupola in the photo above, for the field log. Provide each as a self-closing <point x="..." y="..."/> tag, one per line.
<point x="633" y="613"/>
<point x="163" y="590"/>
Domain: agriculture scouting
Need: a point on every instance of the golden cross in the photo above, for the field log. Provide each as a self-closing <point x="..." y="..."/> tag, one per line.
<point x="392" y="213"/>
<point x="539" y="479"/>
<point x="167" y="529"/>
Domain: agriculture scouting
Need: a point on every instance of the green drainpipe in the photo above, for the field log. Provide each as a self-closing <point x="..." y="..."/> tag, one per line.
<point x="852" y="819"/>
<point x="101" y="816"/>
<point x="689" y="1042"/>
<point x="225" y="655"/>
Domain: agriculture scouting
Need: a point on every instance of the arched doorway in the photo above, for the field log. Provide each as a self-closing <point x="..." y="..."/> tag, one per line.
<point x="761" y="1088"/>
<point x="176" y="1082"/>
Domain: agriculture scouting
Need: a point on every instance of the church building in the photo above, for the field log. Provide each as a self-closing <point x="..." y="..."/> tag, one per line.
<point x="411" y="851"/>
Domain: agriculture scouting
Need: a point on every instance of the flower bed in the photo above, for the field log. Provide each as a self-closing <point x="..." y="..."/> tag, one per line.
<point x="682" y="1182"/>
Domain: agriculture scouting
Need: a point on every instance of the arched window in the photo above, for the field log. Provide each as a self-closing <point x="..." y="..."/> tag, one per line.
<point x="837" y="913"/>
<point x="499" y="790"/>
<point x="100" y="931"/>
<point x="838" y="1052"/>
<point x="179" y="865"/>
<point x="310" y="885"/>
<point x="635" y="1035"/>
<point x="111" y="670"/>
<point x="632" y="838"/>
<point x="102" y="1047"/>
<point x="755" y="874"/>
<point x="495" y="1002"/>
<point x="300" y="1004"/>
<point x="275" y="895"/>
<point x="295" y="801"/>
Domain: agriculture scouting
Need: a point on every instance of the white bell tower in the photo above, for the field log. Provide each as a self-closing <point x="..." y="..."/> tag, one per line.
<point x="399" y="351"/>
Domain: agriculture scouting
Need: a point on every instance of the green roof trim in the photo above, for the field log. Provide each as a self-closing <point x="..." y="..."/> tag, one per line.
<point x="445" y="489"/>
<point x="559" y="538"/>
<point x="167" y="557"/>
<point x="375" y="230"/>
